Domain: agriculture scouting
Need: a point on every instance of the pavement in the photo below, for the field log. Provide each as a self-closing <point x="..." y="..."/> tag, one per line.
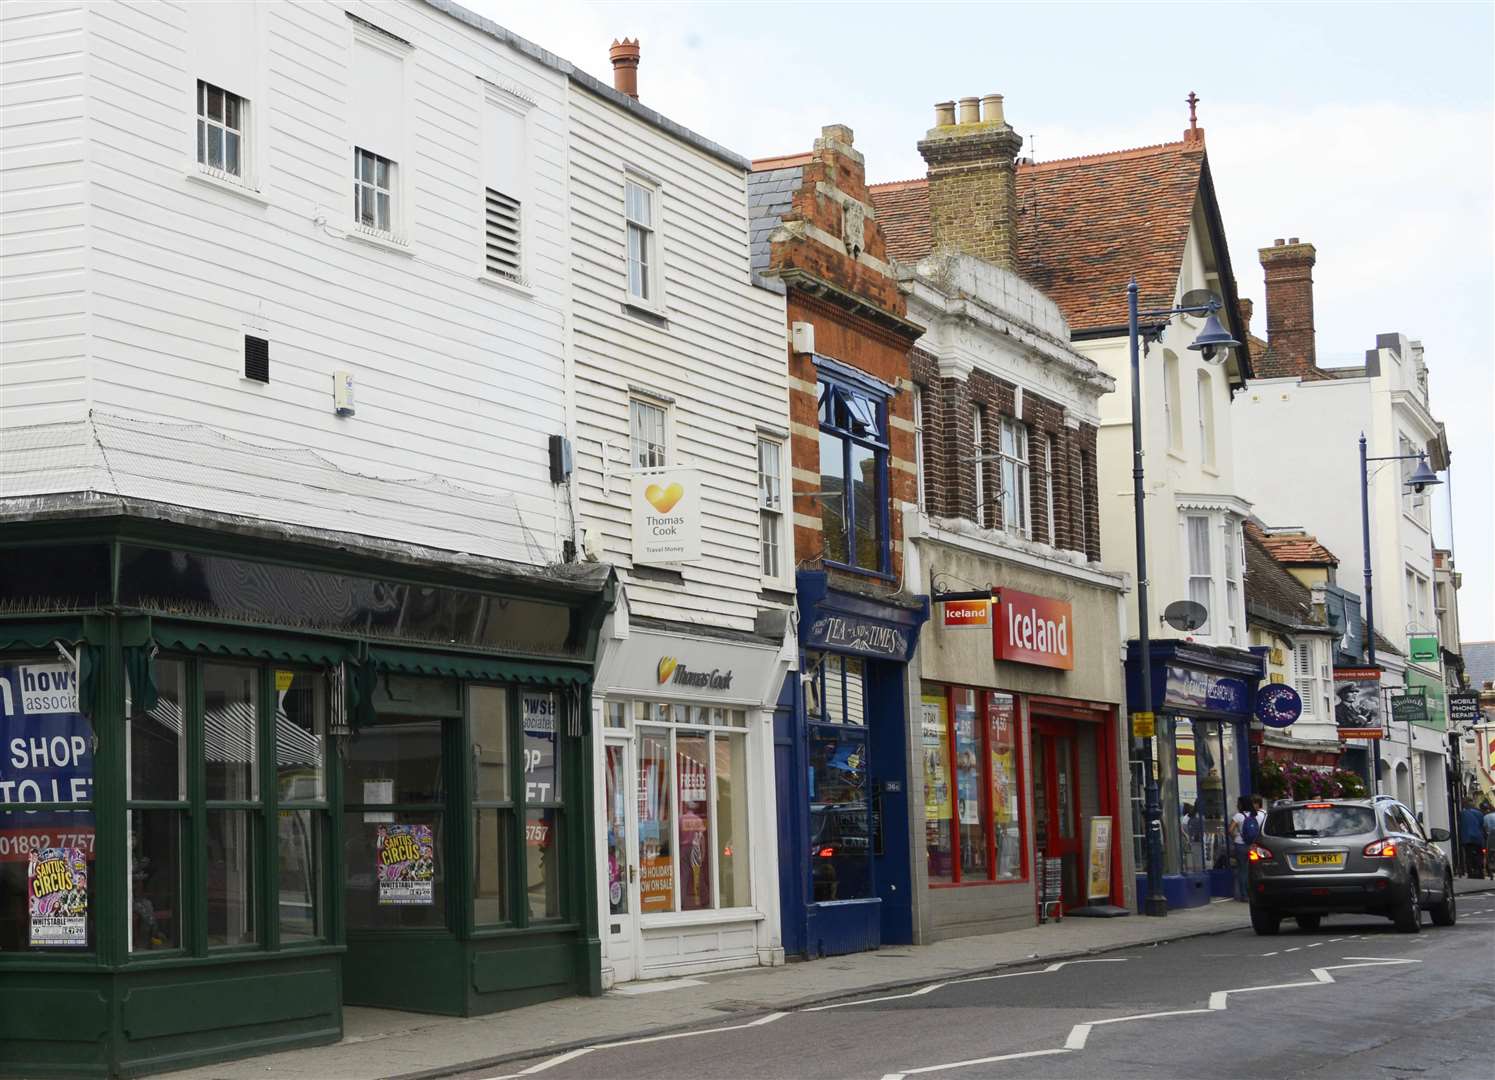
<point x="409" y="1046"/>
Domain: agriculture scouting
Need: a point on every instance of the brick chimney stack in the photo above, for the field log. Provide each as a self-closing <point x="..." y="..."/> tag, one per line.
<point x="1289" y="275"/>
<point x="973" y="180"/>
<point x="625" y="57"/>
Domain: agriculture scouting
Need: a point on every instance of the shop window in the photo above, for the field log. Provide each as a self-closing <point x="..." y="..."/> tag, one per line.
<point x="692" y="809"/>
<point x="841" y="829"/>
<point x="47" y="895"/>
<point x="973" y="804"/>
<point x="543" y="792"/>
<point x="836" y="692"/>
<point x="1198" y="791"/>
<point x="853" y="476"/>
<point x="493" y="806"/>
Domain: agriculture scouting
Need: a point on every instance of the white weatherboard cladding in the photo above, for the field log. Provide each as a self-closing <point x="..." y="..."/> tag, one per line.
<point x="720" y="364"/>
<point x="43" y="213"/>
<point x="455" y="377"/>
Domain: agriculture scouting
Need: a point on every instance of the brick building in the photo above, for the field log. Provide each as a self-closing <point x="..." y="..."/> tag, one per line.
<point x="841" y="746"/>
<point x="1021" y="741"/>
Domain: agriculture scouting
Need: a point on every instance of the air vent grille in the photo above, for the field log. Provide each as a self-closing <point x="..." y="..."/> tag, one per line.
<point x="503" y="235"/>
<point x="256" y="358"/>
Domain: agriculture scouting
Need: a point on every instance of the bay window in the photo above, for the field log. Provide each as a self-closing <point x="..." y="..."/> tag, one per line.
<point x="1232" y="563"/>
<point x="1201" y="575"/>
<point x="853" y="476"/>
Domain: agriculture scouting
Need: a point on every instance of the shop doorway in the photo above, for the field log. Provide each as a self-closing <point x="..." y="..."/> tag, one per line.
<point x="1056" y="807"/>
<point x="620" y="823"/>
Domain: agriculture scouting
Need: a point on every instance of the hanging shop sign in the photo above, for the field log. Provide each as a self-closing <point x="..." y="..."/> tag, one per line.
<point x="975" y="613"/>
<point x="1187" y="688"/>
<point x="1034" y="630"/>
<point x="1098" y="885"/>
<point x="1409" y="705"/>
<point x="666" y="516"/>
<point x="1357" y="703"/>
<point x="1463" y="707"/>
<point x="1278" y="705"/>
<point x="406" y="859"/>
<point x="1424" y="648"/>
<point x="57" y="897"/>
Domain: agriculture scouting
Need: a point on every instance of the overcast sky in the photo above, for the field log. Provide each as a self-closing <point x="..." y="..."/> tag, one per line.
<point x="1365" y="129"/>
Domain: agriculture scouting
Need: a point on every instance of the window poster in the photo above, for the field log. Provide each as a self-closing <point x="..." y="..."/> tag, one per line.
<point x="936" y="758"/>
<point x="57" y="897"/>
<point x="46" y="755"/>
<point x="656" y="855"/>
<point x="967" y="762"/>
<point x="695" y="822"/>
<point x="1098" y="884"/>
<point x="538" y="713"/>
<point x="406" y="858"/>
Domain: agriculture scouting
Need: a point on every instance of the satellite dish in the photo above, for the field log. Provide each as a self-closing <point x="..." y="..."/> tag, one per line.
<point x="1200" y="298"/>
<point x="1185" y="615"/>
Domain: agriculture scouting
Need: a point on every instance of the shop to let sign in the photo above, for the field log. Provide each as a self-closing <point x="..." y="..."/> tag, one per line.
<point x="1034" y="630"/>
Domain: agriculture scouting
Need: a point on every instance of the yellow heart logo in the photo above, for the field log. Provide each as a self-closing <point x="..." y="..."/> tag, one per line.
<point x="664" y="498"/>
<point x="666" y="668"/>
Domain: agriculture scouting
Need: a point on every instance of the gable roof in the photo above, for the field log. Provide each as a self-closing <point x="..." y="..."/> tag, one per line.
<point x="1293" y="549"/>
<point x="1087" y="224"/>
<point x="1272" y="594"/>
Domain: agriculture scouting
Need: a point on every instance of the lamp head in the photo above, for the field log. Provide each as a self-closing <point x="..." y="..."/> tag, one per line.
<point x="1423" y="476"/>
<point x="1213" y="340"/>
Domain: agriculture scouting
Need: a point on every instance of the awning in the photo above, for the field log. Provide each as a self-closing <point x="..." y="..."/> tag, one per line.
<point x="470" y="666"/>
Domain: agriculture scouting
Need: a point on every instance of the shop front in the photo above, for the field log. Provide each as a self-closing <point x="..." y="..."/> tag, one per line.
<point x="842" y="760"/>
<point x="687" y="872"/>
<point x="1021" y="744"/>
<point x="250" y="780"/>
<point x="1203" y="698"/>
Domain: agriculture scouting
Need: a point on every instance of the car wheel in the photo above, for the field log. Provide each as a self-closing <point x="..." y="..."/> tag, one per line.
<point x="1445" y="912"/>
<point x="1309" y="922"/>
<point x="1408" y="914"/>
<point x="1265" y="921"/>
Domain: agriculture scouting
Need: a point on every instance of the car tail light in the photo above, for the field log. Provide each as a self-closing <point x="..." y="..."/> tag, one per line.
<point x="1320" y="806"/>
<point x="1257" y="853"/>
<point x="1380" y="849"/>
<point x="827" y="852"/>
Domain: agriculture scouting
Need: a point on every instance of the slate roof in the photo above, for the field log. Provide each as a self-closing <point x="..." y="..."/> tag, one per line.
<point x="1085" y="226"/>
<point x="770" y="195"/>
<point x="1272" y="594"/>
<point x="1479" y="662"/>
<point x="1294" y="549"/>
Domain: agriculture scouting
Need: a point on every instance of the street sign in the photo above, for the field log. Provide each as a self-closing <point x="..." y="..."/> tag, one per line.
<point x="1424" y="648"/>
<point x="1463" y="707"/>
<point x="1144" y="725"/>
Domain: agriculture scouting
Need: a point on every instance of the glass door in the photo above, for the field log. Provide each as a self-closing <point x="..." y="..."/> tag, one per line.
<point x="620" y="832"/>
<point x="1056" y="807"/>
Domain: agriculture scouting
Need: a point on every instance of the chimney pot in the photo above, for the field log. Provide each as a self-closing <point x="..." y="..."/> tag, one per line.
<point x="944" y="114"/>
<point x="1292" y="240"/>
<point x="991" y="109"/>
<point x="1278" y="242"/>
<point x="970" y="110"/>
<point x="625" y="57"/>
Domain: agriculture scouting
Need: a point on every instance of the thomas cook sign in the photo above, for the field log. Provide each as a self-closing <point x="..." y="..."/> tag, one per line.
<point x="672" y="672"/>
<point x="1034" y="630"/>
<point x="666" y="516"/>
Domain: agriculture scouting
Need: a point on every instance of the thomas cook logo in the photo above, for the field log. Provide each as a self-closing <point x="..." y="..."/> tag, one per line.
<point x="666" y="669"/>
<point x="672" y="671"/>
<point x="664" y="498"/>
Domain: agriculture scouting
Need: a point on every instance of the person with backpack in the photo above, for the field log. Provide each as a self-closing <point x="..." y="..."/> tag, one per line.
<point x="1245" y="830"/>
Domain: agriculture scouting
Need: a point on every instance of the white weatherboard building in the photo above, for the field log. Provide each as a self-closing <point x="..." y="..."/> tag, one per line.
<point x="1306" y="420"/>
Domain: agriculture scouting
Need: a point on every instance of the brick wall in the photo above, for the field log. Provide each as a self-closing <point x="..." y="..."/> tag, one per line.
<point x="973" y="190"/>
<point x="949" y="408"/>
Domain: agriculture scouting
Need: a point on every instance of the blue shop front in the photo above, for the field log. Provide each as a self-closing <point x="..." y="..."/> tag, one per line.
<point x="1203" y="697"/>
<point x="841" y="762"/>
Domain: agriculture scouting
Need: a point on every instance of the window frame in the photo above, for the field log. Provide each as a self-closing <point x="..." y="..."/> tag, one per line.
<point x="829" y="386"/>
<point x="772" y="515"/>
<point x="492" y="97"/>
<point x="1015" y="491"/>
<point x="1207" y="438"/>
<point x="1048" y="488"/>
<point x="920" y="488"/>
<point x="204" y="125"/>
<point x="988" y="823"/>
<point x="1231" y="574"/>
<point x="1305" y="677"/>
<point x="1195" y="574"/>
<point x="637" y="404"/>
<point x="978" y="442"/>
<point x="652" y="277"/>
<point x="390" y="230"/>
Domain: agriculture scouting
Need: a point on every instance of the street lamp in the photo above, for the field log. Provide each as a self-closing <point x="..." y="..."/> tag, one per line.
<point x="1211" y="343"/>
<point x="1422" y="477"/>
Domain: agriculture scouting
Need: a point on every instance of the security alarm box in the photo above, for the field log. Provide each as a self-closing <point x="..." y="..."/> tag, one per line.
<point x="342" y="393"/>
<point x="802" y="336"/>
<point x="561" y="462"/>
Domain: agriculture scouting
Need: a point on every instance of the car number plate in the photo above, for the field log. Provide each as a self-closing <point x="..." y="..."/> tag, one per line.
<point x="1321" y="858"/>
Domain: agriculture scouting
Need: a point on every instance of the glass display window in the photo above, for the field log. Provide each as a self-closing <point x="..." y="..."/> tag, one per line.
<point x="841" y="824"/>
<point x="971" y="743"/>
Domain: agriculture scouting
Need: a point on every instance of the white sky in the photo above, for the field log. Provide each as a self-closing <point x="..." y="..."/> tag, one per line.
<point x="1365" y="129"/>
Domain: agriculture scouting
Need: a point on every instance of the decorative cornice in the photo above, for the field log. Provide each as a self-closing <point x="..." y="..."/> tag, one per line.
<point x="805" y="282"/>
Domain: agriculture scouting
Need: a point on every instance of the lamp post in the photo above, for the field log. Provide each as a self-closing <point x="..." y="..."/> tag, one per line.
<point x="1422" y="477"/>
<point x="1211" y="342"/>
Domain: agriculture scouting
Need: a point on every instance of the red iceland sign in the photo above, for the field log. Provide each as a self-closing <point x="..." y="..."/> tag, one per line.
<point x="1034" y="630"/>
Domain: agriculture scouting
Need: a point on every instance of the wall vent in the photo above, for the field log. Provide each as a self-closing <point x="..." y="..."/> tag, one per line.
<point x="502" y="241"/>
<point x="256" y="358"/>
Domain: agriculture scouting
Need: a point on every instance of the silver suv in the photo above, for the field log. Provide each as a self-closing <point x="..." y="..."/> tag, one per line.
<point x="1360" y="856"/>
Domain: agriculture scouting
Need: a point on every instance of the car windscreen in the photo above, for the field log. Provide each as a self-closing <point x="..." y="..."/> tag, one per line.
<point x="1320" y="821"/>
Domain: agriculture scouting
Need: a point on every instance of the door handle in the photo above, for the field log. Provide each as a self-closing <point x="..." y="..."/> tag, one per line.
<point x="632" y="871"/>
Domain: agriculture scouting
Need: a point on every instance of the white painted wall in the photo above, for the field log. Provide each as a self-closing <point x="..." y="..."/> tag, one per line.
<point x="44" y="257"/>
<point x="716" y="356"/>
<point x="1178" y="479"/>
<point x="456" y="376"/>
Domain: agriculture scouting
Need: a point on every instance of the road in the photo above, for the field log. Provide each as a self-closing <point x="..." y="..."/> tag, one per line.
<point x="1354" y="999"/>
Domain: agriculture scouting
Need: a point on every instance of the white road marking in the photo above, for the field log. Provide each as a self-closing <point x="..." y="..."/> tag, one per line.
<point x="1272" y="953"/>
<point x="1316" y="944"/>
<point x="571" y="1055"/>
<point x="1219" y="1001"/>
<point x="1295" y="948"/>
<point x="932" y="987"/>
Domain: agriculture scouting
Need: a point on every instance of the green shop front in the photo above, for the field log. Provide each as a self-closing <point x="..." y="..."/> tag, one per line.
<point x="246" y="780"/>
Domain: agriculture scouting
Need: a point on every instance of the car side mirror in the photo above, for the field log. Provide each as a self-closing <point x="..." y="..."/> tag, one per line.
<point x="1438" y="835"/>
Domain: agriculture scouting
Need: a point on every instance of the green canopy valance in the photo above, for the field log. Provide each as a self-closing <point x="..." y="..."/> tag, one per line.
<point x="252" y="645"/>
<point x="469" y="666"/>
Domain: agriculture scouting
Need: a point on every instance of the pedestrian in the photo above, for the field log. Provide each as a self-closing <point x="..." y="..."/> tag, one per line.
<point x="1245" y="827"/>
<point x="1472" y="839"/>
<point x="1489" y="831"/>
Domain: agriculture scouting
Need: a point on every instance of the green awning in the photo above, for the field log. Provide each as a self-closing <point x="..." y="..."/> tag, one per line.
<point x="21" y="633"/>
<point x="470" y="666"/>
<point x="251" y="644"/>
